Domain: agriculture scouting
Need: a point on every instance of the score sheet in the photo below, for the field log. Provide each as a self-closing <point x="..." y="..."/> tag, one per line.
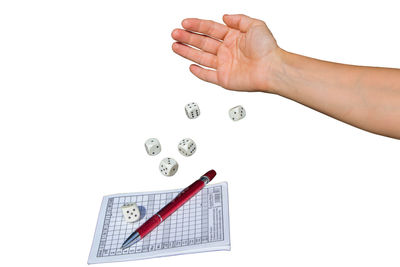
<point x="200" y="225"/>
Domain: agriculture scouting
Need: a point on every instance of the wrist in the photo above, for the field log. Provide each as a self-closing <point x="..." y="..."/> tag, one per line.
<point x="277" y="72"/>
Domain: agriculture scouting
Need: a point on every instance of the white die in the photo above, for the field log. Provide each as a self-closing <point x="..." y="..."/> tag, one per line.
<point x="153" y="146"/>
<point x="131" y="212"/>
<point x="192" y="110"/>
<point x="237" y="113"/>
<point x="168" y="166"/>
<point x="187" y="147"/>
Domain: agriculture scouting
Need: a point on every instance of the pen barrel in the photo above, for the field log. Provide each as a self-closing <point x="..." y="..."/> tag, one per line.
<point x="149" y="225"/>
<point x="181" y="199"/>
<point x="175" y="204"/>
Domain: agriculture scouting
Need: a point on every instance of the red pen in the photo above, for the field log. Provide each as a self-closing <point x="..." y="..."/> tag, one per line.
<point x="170" y="208"/>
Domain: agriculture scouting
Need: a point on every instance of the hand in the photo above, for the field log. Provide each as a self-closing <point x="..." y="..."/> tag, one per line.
<point x="238" y="55"/>
<point x="243" y="55"/>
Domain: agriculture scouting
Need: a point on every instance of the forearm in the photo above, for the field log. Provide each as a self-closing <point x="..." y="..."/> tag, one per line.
<point x="366" y="97"/>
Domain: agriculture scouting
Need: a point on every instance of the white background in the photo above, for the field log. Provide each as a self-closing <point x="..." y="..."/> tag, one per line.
<point x="84" y="83"/>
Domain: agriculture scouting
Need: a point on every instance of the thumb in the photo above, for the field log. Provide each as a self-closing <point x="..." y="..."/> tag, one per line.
<point x="240" y="22"/>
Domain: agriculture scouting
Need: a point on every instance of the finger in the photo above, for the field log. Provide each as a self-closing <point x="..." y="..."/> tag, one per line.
<point x="204" y="74"/>
<point x="208" y="27"/>
<point x="198" y="56"/>
<point x="240" y="22"/>
<point x="202" y="42"/>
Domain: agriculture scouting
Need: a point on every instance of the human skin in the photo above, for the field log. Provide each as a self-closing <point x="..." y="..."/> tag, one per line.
<point x="243" y="55"/>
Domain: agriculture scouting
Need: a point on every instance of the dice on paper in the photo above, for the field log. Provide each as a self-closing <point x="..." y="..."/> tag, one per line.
<point x="131" y="212"/>
<point x="192" y="110"/>
<point x="237" y="113"/>
<point x="187" y="147"/>
<point x="168" y="166"/>
<point x="153" y="146"/>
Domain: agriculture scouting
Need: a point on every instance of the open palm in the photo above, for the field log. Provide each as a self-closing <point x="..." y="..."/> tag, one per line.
<point x="237" y="55"/>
